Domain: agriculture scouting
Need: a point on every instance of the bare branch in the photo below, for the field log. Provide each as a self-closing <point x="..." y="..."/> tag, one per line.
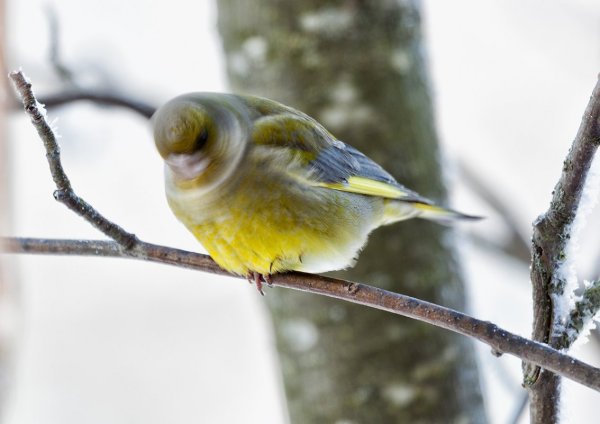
<point x="498" y="339"/>
<point x="64" y="192"/>
<point x="103" y="98"/>
<point x="61" y="69"/>
<point x="551" y="234"/>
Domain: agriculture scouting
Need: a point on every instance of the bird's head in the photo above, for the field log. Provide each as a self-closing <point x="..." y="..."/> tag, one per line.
<point x="201" y="137"/>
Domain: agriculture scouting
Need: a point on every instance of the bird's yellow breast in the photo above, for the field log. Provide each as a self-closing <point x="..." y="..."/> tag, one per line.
<point x="267" y="223"/>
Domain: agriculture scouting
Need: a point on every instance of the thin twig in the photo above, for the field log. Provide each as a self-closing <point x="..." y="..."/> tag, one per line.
<point x="64" y="192"/>
<point x="61" y="69"/>
<point x="500" y="340"/>
<point x="98" y="97"/>
<point x="551" y="233"/>
<point x="103" y="98"/>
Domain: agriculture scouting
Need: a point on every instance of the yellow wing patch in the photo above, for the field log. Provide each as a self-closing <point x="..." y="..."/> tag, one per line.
<point x="362" y="185"/>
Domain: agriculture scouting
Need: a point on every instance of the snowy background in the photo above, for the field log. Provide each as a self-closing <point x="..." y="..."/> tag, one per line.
<point x="117" y="341"/>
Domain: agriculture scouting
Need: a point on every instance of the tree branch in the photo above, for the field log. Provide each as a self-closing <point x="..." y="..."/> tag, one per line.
<point x="107" y="99"/>
<point x="127" y="245"/>
<point x="551" y="234"/>
<point x="61" y="69"/>
<point x="500" y="340"/>
<point x="102" y="98"/>
<point x="64" y="192"/>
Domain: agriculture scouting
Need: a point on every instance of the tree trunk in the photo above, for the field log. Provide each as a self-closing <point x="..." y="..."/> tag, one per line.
<point x="358" y="68"/>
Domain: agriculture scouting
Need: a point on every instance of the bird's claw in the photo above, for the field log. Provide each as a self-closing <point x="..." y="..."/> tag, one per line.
<point x="258" y="279"/>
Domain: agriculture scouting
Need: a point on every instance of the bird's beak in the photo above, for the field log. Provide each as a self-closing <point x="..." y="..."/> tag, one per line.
<point x="187" y="166"/>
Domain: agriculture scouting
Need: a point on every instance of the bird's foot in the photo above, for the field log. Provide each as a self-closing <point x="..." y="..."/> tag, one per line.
<point x="258" y="279"/>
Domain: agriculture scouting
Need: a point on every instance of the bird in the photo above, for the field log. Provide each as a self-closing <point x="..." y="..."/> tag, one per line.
<point x="266" y="189"/>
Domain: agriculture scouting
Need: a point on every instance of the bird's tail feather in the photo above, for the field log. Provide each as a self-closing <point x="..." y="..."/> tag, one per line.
<point x="402" y="210"/>
<point x="440" y="214"/>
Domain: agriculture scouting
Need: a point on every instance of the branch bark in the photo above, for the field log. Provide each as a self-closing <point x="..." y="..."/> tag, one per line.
<point x="500" y="340"/>
<point x="551" y="234"/>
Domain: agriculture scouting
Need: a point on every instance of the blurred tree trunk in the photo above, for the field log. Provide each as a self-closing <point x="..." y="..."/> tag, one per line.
<point x="358" y="68"/>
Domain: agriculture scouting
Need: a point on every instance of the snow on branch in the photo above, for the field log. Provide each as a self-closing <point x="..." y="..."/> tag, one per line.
<point x="581" y="317"/>
<point x="553" y="255"/>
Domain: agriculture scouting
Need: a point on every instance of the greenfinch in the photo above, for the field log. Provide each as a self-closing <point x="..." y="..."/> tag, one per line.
<point x="267" y="189"/>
